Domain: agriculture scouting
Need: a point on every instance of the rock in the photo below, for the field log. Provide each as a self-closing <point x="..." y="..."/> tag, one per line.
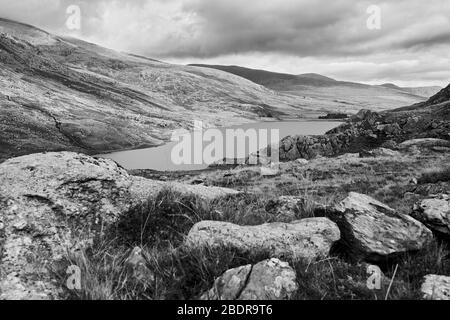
<point x="390" y="130"/>
<point x="390" y="144"/>
<point x="424" y="143"/>
<point x="434" y="213"/>
<point x="366" y="115"/>
<point x="302" y="162"/>
<point x="309" y="147"/>
<point x="380" y="152"/>
<point x="304" y="239"/>
<point x="51" y="203"/>
<point x="436" y="287"/>
<point x="268" y="280"/>
<point x="373" y="231"/>
<point x="136" y="266"/>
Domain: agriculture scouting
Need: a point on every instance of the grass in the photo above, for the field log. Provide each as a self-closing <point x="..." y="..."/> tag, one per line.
<point x="159" y="227"/>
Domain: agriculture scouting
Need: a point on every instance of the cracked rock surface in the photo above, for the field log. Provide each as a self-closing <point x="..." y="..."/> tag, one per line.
<point x="434" y="213"/>
<point x="303" y="239"/>
<point x="268" y="280"/>
<point x="371" y="230"/>
<point x="436" y="287"/>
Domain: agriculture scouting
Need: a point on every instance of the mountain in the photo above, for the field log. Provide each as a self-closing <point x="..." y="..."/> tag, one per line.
<point x="60" y="93"/>
<point x="438" y="106"/>
<point x="273" y="80"/>
<point x="418" y="91"/>
<point x="327" y="94"/>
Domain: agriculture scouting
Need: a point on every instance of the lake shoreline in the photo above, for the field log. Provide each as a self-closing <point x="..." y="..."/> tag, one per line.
<point x="96" y="154"/>
<point x="158" y="158"/>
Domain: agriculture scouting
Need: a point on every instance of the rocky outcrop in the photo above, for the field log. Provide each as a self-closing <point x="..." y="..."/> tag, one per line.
<point x="307" y="239"/>
<point x="371" y="230"/>
<point x="436" y="287"/>
<point x="57" y="202"/>
<point x="369" y="130"/>
<point x="268" y="280"/>
<point x="434" y="213"/>
<point x="309" y="147"/>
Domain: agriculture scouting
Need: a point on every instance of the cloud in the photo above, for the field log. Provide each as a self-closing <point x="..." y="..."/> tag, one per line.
<point x="330" y="35"/>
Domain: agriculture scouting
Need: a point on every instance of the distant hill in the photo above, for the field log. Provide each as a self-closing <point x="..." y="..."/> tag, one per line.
<point x="438" y="106"/>
<point x="289" y="82"/>
<point x="327" y="94"/>
<point x="418" y="91"/>
<point x="274" y="80"/>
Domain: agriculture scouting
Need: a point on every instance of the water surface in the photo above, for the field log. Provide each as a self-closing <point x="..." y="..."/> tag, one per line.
<point x="159" y="158"/>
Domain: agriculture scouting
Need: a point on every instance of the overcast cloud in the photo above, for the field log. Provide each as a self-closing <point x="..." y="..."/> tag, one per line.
<point x="296" y="36"/>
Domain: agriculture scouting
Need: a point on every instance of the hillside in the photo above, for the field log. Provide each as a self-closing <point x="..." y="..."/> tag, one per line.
<point x="328" y="94"/>
<point x="66" y="94"/>
<point x="438" y="106"/>
<point x="418" y="91"/>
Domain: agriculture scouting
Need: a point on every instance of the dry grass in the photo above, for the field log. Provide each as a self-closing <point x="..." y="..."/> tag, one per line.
<point x="160" y="225"/>
<point x="180" y="273"/>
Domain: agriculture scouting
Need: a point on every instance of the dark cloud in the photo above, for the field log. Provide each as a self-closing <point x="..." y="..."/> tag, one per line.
<point x="326" y="33"/>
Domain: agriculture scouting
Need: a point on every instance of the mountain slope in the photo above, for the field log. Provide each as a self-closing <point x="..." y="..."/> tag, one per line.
<point x="328" y="94"/>
<point x="66" y="94"/>
<point x="418" y="91"/>
<point x="438" y="106"/>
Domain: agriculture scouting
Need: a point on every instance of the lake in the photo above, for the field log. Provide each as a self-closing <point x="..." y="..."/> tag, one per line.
<point x="161" y="158"/>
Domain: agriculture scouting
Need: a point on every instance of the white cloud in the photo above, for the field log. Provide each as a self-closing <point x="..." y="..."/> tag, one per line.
<point x="296" y="36"/>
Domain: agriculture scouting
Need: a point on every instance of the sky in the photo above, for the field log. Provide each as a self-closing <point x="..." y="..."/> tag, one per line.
<point x="406" y="42"/>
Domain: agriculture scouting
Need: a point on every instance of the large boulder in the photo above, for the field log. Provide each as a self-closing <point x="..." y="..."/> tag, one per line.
<point x="304" y="239"/>
<point x="268" y="280"/>
<point x="371" y="230"/>
<point x="436" y="287"/>
<point x="434" y="213"/>
<point x="52" y="203"/>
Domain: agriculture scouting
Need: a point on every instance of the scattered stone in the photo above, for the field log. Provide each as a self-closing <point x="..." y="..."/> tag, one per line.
<point x="434" y="213"/>
<point x="268" y="280"/>
<point x="371" y="230"/>
<point x="436" y="287"/>
<point x="304" y="239"/>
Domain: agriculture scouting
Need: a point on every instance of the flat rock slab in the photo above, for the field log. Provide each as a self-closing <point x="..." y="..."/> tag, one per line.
<point x="371" y="230"/>
<point x="303" y="239"/>
<point x="268" y="280"/>
<point x="434" y="213"/>
<point x="54" y="202"/>
<point x="436" y="287"/>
